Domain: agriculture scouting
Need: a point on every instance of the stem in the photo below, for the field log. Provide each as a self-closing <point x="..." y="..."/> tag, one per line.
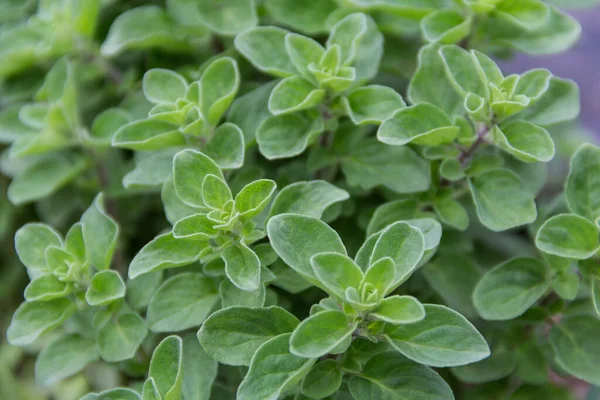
<point x="465" y="156"/>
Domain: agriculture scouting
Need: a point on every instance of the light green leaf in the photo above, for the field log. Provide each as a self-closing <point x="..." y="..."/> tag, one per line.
<point x="189" y="169"/>
<point x="31" y="242"/>
<point x="148" y="134"/>
<point x="560" y="103"/>
<point x="219" y="84"/>
<point x="381" y="275"/>
<point x="166" y="368"/>
<point x="64" y="357"/>
<point x="446" y="27"/>
<point x="399" y="310"/>
<point x="11" y="128"/>
<point x="273" y="370"/>
<point x="500" y="364"/>
<point x="175" y="208"/>
<point x="226" y="147"/>
<point x="140" y="290"/>
<point x="452" y="213"/>
<point x="307" y="198"/>
<point x="534" y="83"/>
<point x="199" y="370"/>
<point x="372" y="104"/>
<point x="388" y="213"/>
<point x="120" y="338"/>
<point x="100" y="234"/>
<point x="33" y="319"/>
<point x="582" y="190"/>
<point x="163" y="86"/>
<point x="301" y="15"/>
<point x="105" y="287"/>
<point x="336" y="272"/>
<point x="321" y="333"/>
<point x="463" y="71"/>
<point x="149" y="390"/>
<point x="324" y="379"/>
<point x="509" y="289"/>
<point x="45" y="177"/>
<point x="297" y="238"/>
<point x="254" y="197"/>
<point x="152" y="170"/>
<point x="196" y="226"/>
<point x="567" y="286"/>
<point x="242" y="267"/>
<point x="525" y="141"/>
<point x="265" y="48"/>
<point x="250" y="110"/>
<point x="502" y="201"/>
<point x="215" y="192"/>
<point x="46" y="287"/>
<point x="284" y="136"/>
<point x="390" y="376"/>
<point x="232" y="335"/>
<point x="443" y="339"/>
<point x="228" y="18"/>
<point x="181" y="302"/>
<point x="569" y="236"/>
<point x="576" y="347"/>
<point x="166" y="251"/>
<point x="232" y="296"/>
<point x="303" y="51"/>
<point x="423" y="124"/>
<point x="294" y="94"/>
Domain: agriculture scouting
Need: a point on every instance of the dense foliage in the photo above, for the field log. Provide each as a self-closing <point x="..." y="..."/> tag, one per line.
<point x="295" y="199"/>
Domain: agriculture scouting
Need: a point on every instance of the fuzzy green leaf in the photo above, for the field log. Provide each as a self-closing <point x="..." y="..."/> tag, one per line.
<point x="219" y="84"/>
<point x="199" y="370"/>
<point x="265" y="48"/>
<point x="294" y="94"/>
<point x="254" y="197"/>
<point x="100" y="233"/>
<point x="189" y="169"/>
<point x="324" y="379"/>
<point x="525" y="141"/>
<point x="301" y="15"/>
<point x="31" y="242"/>
<point x="31" y="320"/>
<point x="242" y="267"/>
<point x="321" y="333"/>
<point x="372" y="104"/>
<point x="583" y="190"/>
<point x="336" y="272"/>
<point x="228" y="18"/>
<point x="307" y="198"/>
<point x="105" y="287"/>
<point x="226" y="147"/>
<point x="445" y="27"/>
<point x="284" y="136"/>
<point x="569" y="236"/>
<point x="147" y="134"/>
<point x="120" y="338"/>
<point x="399" y="310"/>
<point x="164" y="86"/>
<point x="46" y="287"/>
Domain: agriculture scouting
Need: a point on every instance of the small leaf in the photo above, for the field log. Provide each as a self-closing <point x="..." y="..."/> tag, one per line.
<point x="120" y="338"/>
<point x="303" y="51"/>
<point x="509" y="289"/>
<point x="303" y="16"/>
<point x="250" y="110"/>
<point x="294" y="94"/>
<point x="181" y="302"/>
<point x="445" y="27"/>
<point x="307" y="198"/>
<point x="575" y="346"/>
<point x="254" y="197"/>
<point x="46" y="287"/>
<point x="265" y="48"/>
<point x="232" y="296"/>
<point x="226" y="147"/>
<point x="399" y="310"/>
<point x="560" y="103"/>
<point x="569" y="236"/>
<point x="100" y="233"/>
<point x="147" y="134"/>
<point x="372" y="104"/>
<point x="196" y="226"/>
<point x="31" y="242"/>
<point x="287" y="135"/>
<point x="64" y="357"/>
<point x="228" y="18"/>
<point x="215" y="192"/>
<point x="105" y="287"/>
<point x="443" y="339"/>
<point x="189" y="169"/>
<point x="242" y="267"/>
<point x="166" y="368"/>
<point x="232" y="335"/>
<point x="582" y="193"/>
<point x="273" y="370"/>
<point x="337" y="272"/>
<point x="381" y="275"/>
<point x="525" y="141"/>
<point x="389" y="375"/>
<point x="324" y="379"/>
<point x="320" y="334"/>
<point x="462" y="69"/>
<point x="163" y="86"/>
<point x="502" y="201"/>
<point x="452" y="213"/>
<point x="31" y="320"/>
<point x="219" y="84"/>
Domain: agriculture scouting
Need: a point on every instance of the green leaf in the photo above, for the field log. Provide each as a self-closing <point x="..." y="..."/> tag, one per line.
<point x="303" y="16"/>
<point x="307" y="198"/>
<point x="251" y="109"/>
<point x="284" y="136"/>
<point x="525" y="141"/>
<point x="163" y="86"/>
<point x="443" y="339"/>
<point x="100" y="234"/>
<point x="324" y="379"/>
<point x="399" y="310"/>
<point x="372" y="104"/>
<point x="120" y="338"/>
<point x="569" y="236"/>
<point x="215" y="192"/>
<point x="294" y="94"/>
<point x="499" y="365"/>
<point x="219" y="84"/>
<point x="181" y="302"/>
<point x="576" y="349"/>
<point x="423" y="124"/>
<point x="140" y="290"/>
<point x="381" y="275"/>
<point x="189" y="169"/>
<point x="388" y="213"/>
<point x="304" y="51"/>
<point x="166" y="368"/>
<point x="336" y="272"/>
<point x="31" y="242"/>
<point x="595" y="289"/>
<point x="46" y="287"/>
<point x="445" y="27"/>
<point x="560" y="103"/>
<point x="147" y="134"/>
<point x="273" y="370"/>
<point x="297" y="238"/>
<point x="389" y="376"/>
<point x="151" y="170"/>
<point x="114" y="394"/>
<point x="463" y="71"/>
<point x="33" y="319"/>
<point x="567" y="286"/>
<point x="45" y="177"/>
<point x="196" y="226"/>
<point x="166" y="251"/>
<point x="372" y="163"/>
<point x="149" y="390"/>
<point x="64" y="357"/>
<point x="509" y="289"/>
<point x="226" y="147"/>
<point x="265" y="48"/>
<point x="320" y="334"/>
<point x="581" y="191"/>
<point x="232" y="335"/>
<point x="254" y="197"/>
<point x="242" y="267"/>
<point x="105" y="287"/>
<point x="404" y="244"/>
<point x="502" y="201"/>
<point x="199" y="370"/>
<point x="232" y="296"/>
<point x="142" y="28"/>
<point x="228" y="18"/>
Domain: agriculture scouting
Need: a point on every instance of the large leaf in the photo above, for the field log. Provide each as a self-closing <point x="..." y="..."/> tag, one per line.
<point x="228" y="18"/>
<point x="307" y="198"/>
<point x="31" y="320"/>
<point x="320" y="334"/>
<point x="31" y="242"/>
<point x="568" y="236"/>
<point x="265" y="48"/>
<point x="166" y="368"/>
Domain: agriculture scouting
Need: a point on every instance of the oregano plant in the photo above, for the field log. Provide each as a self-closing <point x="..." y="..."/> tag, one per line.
<point x="294" y="199"/>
